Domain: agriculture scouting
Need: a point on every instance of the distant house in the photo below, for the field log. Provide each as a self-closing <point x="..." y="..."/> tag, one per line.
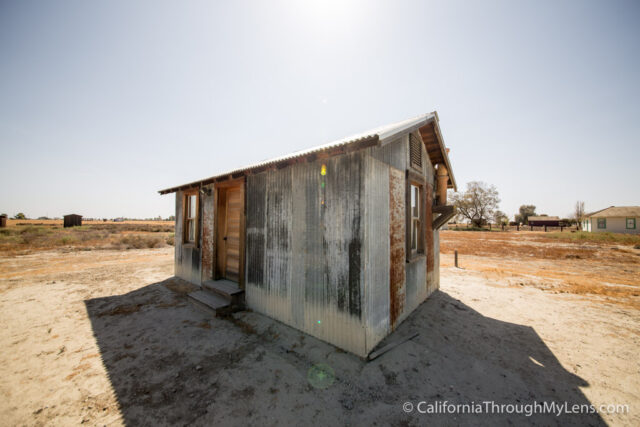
<point x="615" y="219"/>
<point x="340" y="241"/>
<point x="551" y="221"/>
<point x="72" y="220"/>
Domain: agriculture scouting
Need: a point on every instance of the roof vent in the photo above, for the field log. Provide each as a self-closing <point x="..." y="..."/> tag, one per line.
<point x="415" y="151"/>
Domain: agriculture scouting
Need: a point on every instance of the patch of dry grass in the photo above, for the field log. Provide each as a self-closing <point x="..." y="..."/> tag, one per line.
<point x="562" y="266"/>
<point x="22" y="239"/>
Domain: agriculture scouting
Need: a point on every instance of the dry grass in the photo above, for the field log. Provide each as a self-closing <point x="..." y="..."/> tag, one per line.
<point x="22" y="239"/>
<point x="577" y="266"/>
<point x="54" y="222"/>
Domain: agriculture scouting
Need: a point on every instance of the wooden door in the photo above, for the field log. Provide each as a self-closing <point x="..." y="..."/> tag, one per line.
<point x="232" y="233"/>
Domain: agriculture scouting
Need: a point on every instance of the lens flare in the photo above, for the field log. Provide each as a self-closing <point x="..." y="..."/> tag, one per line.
<point x="323" y="170"/>
<point x="321" y="376"/>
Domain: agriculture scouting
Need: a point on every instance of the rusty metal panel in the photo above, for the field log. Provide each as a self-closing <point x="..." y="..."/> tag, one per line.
<point x="435" y="282"/>
<point x="430" y="247"/>
<point x="397" y="290"/>
<point x="207" y="236"/>
<point x="375" y="207"/>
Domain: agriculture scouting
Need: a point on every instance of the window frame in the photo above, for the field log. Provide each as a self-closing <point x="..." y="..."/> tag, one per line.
<point x="626" y="223"/>
<point x="604" y="222"/>
<point x="186" y="219"/>
<point x="414" y="179"/>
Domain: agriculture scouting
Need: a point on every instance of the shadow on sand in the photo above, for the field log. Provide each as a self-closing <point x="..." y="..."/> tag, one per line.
<point x="171" y="362"/>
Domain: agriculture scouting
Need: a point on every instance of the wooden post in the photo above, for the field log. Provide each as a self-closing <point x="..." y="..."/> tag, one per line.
<point x="561" y="228"/>
<point x="518" y="226"/>
<point x="502" y="227"/>
<point x="489" y="226"/>
<point x="531" y="228"/>
<point x="545" y="228"/>
<point x="456" y="257"/>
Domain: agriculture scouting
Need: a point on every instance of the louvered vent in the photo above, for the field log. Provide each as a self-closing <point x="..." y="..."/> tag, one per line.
<point x="415" y="151"/>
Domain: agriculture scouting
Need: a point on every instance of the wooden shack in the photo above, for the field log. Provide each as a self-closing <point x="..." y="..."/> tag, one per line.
<point x="3" y="221"/>
<point x="340" y="241"/>
<point x="72" y="220"/>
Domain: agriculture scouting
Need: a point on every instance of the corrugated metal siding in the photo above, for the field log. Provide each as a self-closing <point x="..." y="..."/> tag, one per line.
<point x="278" y="212"/>
<point x="377" y="253"/>
<point x="393" y="153"/>
<point x="187" y="257"/>
<point x="307" y="241"/>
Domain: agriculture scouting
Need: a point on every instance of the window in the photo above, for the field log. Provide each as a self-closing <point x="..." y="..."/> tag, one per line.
<point x="415" y="152"/>
<point x="415" y="205"/>
<point x="602" y="222"/>
<point x="631" y="223"/>
<point x="415" y="217"/>
<point x="191" y="218"/>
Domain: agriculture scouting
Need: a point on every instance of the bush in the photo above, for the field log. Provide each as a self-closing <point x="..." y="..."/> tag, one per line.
<point x="138" y="241"/>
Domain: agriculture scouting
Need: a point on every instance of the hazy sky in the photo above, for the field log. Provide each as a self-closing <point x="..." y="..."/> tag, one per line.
<point x="104" y="103"/>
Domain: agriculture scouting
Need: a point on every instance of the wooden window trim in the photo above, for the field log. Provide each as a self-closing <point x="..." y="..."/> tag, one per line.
<point x="418" y="180"/>
<point x="186" y="219"/>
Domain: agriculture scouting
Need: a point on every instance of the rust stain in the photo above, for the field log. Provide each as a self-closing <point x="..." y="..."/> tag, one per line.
<point x="397" y="244"/>
<point x="428" y="217"/>
<point x="207" y="238"/>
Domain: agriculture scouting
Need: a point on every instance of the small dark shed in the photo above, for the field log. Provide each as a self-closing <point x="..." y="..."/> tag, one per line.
<point x="72" y="220"/>
<point x="3" y="221"/>
<point x="551" y="221"/>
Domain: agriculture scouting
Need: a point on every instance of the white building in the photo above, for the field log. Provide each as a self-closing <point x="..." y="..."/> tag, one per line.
<point x="615" y="219"/>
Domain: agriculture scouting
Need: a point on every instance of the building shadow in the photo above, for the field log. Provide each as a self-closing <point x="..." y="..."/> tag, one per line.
<point x="171" y="362"/>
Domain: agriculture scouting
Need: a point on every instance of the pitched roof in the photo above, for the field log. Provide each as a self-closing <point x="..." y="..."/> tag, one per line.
<point x="543" y="218"/>
<point x="616" y="211"/>
<point x="377" y="136"/>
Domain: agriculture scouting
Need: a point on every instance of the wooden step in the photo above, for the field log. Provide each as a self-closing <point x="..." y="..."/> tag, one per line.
<point x="210" y="299"/>
<point x="225" y="288"/>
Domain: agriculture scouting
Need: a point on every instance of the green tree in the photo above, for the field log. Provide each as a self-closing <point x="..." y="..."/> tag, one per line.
<point x="478" y="203"/>
<point x="500" y="217"/>
<point x="20" y="216"/>
<point x="525" y="212"/>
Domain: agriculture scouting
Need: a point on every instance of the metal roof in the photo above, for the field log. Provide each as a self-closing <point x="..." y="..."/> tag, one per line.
<point x="380" y="135"/>
<point x="543" y="218"/>
<point x="617" y="211"/>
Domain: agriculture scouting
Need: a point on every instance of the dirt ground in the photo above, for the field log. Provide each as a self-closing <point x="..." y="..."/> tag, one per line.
<point x="108" y="337"/>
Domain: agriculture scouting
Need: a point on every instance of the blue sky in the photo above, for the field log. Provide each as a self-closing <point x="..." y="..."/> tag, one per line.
<point x="104" y="103"/>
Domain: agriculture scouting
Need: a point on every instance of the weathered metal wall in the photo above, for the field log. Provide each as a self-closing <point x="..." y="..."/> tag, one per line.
<point x="304" y="248"/>
<point x="187" y="257"/>
<point x="377" y="253"/>
<point x="207" y="230"/>
<point x="397" y="238"/>
<point x="420" y="278"/>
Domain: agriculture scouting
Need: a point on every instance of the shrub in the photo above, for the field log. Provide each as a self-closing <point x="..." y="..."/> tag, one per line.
<point x="141" y="241"/>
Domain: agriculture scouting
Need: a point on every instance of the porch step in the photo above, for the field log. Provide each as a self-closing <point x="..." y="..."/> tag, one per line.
<point x="224" y="288"/>
<point x="210" y="299"/>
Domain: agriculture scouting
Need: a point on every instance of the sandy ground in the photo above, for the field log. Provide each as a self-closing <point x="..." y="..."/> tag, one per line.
<point x="109" y="338"/>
